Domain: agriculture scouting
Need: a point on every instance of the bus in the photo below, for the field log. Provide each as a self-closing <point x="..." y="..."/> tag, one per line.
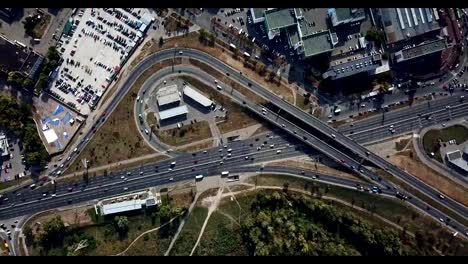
<point x="224" y="173"/>
<point x="199" y="177"/>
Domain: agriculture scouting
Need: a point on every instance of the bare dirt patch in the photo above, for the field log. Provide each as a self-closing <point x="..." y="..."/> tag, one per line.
<point x="187" y="134"/>
<point x="197" y="147"/>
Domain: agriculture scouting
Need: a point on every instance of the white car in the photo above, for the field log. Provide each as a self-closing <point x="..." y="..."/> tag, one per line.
<point x="146" y="131"/>
<point x="171" y="179"/>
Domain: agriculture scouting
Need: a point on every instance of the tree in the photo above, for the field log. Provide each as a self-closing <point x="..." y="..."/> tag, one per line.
<point x="385" y="56"/>
<point x="161" y="41"/>
<point x="53" y="233"/>
<point x="375" y="34"/>
<point x="27" y="83"/>
<point x="121" y="225"/>
<point x="28" y="235"/>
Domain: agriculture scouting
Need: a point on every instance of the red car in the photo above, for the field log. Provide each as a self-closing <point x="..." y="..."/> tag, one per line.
<point x="44" y="179"/>
<point x="195" y="161"/>
<point x="343" y="161"/>
<point x="104" y="114"/>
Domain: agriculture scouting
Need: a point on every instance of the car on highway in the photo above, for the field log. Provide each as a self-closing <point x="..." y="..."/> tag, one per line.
<point x="146" y="131"/>
<point x="441" y="196"/>
<point x="125" y="188"/>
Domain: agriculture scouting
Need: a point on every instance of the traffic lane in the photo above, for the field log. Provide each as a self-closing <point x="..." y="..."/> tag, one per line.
<point x="110" y="189"/>
<point x="186" y="160"/>
<point x="135" y="173"/>
<point x="423" y="108"/>
<point x="318" y="124"/>
<point x="408" y="125"/>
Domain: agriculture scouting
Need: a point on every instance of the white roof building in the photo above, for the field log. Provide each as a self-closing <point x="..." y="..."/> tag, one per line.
<point x="128" y="202"/>
<point x="197" y="97"/>
<point x="167" y="95"/>
<point x="3" y="146"/>
<point x="173" y="112"/>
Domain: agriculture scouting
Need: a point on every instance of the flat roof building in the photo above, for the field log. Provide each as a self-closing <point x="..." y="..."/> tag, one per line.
<point x="365" y="64"/>
<point x="16" y="57"/>
<point x="128" y="202"/>
<point x="404" y="23"/>
<point x="341" y="16"/>
<point x="197" y="97"/>
<point x="455" y="158"/>
<point x="173" y="112"/>
<point x="422" y="49"/>
<point x="167" y="95"/>
<point x="4" y="146"/>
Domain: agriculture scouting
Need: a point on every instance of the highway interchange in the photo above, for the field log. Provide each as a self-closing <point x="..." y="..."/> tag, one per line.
<point x="236" y="163"/>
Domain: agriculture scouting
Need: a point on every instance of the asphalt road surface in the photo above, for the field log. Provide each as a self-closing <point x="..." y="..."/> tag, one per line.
<point x="260" y="90"/>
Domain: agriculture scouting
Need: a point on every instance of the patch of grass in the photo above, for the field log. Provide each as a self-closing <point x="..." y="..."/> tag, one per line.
<point x="236" y="118"/>
<point x="302" y="102"/>
<point x="221" y="237"/>
<point x="421" y="196"/>
<point x="114" y="141"/>
<point x="189" y="233"/>
<point x="432" y="137"/>
<point x="188" y="133"/>
<point x="39" y="28"/>
<point x="151" y="244"/>
<point x="4" y="185"/>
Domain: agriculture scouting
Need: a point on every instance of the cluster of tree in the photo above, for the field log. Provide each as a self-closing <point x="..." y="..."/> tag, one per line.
<point x="51" y="61"/>
<point x="18" y="118"/>
<point x="287" y="224"/>
<point x="206" y="37"/>
<point x="375" y="34"/>
<point x="166" y="213"/>
<point x="30" y="23"/>
<point x="57" y="239"/>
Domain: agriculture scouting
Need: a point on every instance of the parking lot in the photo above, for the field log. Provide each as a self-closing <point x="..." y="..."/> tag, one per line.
<point x="99" y="40"/>
<point x="13" y="164"/>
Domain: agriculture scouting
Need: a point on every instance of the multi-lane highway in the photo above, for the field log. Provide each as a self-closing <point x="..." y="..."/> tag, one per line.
<point x="315" y="124"/>
<point x="214" y="167"/>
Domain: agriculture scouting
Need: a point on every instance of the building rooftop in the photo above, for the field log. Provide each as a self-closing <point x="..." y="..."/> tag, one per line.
<point x="196" y="96"/>
<point x="455" y="158"/>
<point x="349" y="68"/>
<point x="402" y="23"/>
<point x="421" y="50"/>
<point x="317" y="43"/>
<point x="167" y="90"/>
<point x="278" y="18"/>
<point x="3" y="146"/>
<point x="168" y="99"/>
<point x="173" y="112"/>
<point x="313" y="20"/>
<point x="258" y="12"/>
<point x="341" y="16"/>
<point x="128" y="202"/>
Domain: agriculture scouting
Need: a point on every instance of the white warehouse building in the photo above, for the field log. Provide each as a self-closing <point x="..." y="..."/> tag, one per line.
<point x="197" y="97"/>
<point x="128" y="202"/>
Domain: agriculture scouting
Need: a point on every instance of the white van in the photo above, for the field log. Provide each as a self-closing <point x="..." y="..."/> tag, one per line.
<point x="179" y="125"/>
<point x="278" y="151"/>
<point x="224" y="173"/>
<point x="173" y="163"/>
<point x="199" y="177"/>
<point x="219" y="87"/>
